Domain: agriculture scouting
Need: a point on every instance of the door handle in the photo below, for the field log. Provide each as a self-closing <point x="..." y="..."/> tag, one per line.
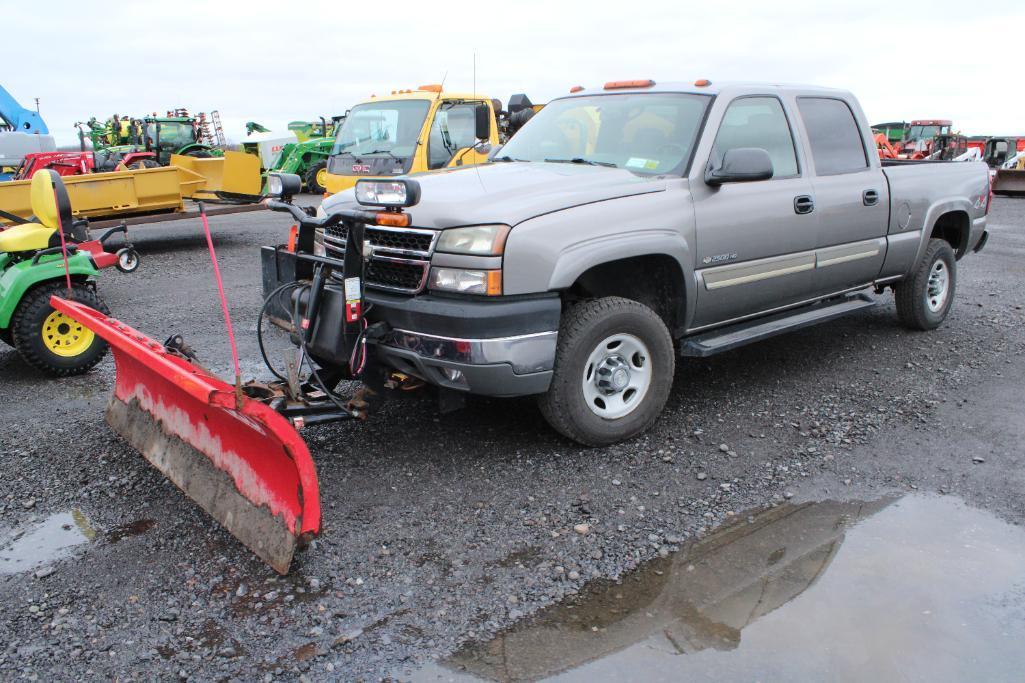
<point x="869" y="197"/>
<point x="804" y="204"/>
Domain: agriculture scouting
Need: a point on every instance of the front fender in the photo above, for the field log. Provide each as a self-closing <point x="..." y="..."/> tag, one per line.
<point x="23" y="276"/>
<point x="549" y="252"/>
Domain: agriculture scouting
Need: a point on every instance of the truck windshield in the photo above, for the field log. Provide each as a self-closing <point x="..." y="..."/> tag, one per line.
<point x="648" y="133"/>
<point x="387" y="127"/>
<point x="173" y="134"/>
<point x="927" y="132"/>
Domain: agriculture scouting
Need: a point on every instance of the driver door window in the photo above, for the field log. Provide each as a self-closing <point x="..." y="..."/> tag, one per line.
<point x="452" y="130"/>
<point x="758" y="122"/>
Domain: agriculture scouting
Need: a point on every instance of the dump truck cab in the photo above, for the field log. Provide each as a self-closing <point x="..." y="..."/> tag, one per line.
<point x="410" y="131"/>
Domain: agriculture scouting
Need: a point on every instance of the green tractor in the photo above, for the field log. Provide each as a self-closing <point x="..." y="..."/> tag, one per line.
<point x="308" y="158"/>
<point x="32" y="269"/>
<point x="161" y="136"/>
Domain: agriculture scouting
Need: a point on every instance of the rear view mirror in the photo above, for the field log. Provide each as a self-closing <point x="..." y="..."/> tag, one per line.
<point x="482" y="122"/>
<point x="740" y="165"/>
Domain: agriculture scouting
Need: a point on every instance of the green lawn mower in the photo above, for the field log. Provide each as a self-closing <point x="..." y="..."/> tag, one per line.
<point x="32" y="268"/>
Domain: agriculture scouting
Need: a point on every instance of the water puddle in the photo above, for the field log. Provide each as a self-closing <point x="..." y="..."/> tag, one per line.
<point x="53" y="539"/>
<point x="920" y="588"/>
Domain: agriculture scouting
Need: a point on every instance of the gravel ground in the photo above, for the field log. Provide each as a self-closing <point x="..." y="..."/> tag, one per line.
<point x="439" y="529"/>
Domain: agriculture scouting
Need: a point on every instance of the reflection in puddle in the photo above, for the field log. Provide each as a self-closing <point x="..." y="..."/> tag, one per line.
<point x="922" y="588"/>
<point x="52" y="539"/>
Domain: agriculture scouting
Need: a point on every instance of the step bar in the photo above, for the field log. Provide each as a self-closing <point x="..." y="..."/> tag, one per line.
<point x="741" y="334"/>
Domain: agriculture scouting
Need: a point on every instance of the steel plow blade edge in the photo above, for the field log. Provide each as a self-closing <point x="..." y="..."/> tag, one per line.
<point x="247" y="467"/>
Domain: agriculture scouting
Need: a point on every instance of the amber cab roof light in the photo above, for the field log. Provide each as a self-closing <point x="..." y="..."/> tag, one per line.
<point x="617" y="85"/>
<point x="430" y="88"/>
<point x="576" y="88"/>
<point x="702" y="83"/>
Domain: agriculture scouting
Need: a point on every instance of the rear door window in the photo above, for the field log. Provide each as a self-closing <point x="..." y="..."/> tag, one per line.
<point x="836" y="142"/>
<point x="758" y="122"/>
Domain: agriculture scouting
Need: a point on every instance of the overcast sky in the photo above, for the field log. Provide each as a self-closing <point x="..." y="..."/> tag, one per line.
<point x="274" y="62"/>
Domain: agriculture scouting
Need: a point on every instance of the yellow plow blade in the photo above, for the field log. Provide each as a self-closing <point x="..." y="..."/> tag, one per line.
<point x="149" y="190"/>
<point x="235" y="172"/>
<point x="114" y="193"/>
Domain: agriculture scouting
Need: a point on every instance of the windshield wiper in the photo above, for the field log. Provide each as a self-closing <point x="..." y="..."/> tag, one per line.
<point x="379" y="151"/>
<point x="507" y="158"/>
<point x="581" y="160"/>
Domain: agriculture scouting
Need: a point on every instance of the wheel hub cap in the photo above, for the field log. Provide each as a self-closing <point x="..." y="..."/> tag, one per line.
<point x="937" y="287"/>
<point x="64" y="336"/>
<point x="616" y="376"/>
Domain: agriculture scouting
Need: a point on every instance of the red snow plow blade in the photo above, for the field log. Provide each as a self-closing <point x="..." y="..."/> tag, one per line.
<point x="245" y="465"/>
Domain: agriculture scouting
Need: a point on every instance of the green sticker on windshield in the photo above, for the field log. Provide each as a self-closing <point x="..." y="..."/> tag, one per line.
<point x="637" y="162"/>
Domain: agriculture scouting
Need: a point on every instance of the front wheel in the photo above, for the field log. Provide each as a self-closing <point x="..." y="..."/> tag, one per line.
<point x="51" y="341"/>
<point x="127" y="260"/>
<point x="924" y="298"/>
<point x="613" y="371"/>
<point x="316" y="178"/>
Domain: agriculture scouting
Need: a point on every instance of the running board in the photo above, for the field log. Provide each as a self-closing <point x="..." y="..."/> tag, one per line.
<point x="727" y="338"/>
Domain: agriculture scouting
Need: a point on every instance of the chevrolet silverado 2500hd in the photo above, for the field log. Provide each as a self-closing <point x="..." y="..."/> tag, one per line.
<point x="626" y="226"/>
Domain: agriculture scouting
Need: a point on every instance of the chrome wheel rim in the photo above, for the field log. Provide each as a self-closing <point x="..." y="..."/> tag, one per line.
<point x="938" y="287"/>
<point x="617" y="376"/>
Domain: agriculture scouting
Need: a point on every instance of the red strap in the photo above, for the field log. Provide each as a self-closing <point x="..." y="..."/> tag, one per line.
<point x="220" y="290"/>
<point x="64" y="246"/>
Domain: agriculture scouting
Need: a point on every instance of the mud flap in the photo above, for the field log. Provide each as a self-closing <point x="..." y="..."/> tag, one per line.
<point x="243" y="464"/>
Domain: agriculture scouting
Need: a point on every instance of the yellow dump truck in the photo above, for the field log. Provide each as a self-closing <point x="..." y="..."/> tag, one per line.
<point x="410" y="131"/>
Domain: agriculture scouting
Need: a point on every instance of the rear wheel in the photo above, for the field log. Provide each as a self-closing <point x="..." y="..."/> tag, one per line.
<point x="924" y="298"/>
<point x="316" y="178"/>
<point x="51" y="341"/>
<point x="613" y="371"/>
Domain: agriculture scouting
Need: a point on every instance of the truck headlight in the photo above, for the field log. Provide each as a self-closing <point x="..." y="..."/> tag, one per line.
<point x="397" y="193"/>
<point x="479" y="240"/>
<point x="467" y="281"/>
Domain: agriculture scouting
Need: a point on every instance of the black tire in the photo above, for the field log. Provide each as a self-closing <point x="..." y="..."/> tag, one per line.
<point x="917" y="309"/>
<point x="146" y="163"/>
<point x="311" y="178"/>
<point x="6" y="338"/>
<point x="583" y="329"/>
<point x="27" y="325"/>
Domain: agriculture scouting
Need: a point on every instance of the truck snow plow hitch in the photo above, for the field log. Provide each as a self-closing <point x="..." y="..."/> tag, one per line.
<point x="235" y="449"/>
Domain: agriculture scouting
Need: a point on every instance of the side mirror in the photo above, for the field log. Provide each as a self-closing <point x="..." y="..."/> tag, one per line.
<point x="482" y="122"/>
<point x="283" y="186"/>
<point x="740" y="165"/>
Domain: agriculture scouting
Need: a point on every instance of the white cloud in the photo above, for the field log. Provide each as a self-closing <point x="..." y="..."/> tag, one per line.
<point x="276" y="62"/>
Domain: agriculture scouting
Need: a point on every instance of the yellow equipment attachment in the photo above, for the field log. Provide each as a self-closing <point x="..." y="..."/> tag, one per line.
<point x="235" y="172"/>
<point x="148" y="190"/>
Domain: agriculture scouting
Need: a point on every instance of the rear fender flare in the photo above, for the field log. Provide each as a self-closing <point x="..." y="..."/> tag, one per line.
<point x="937" y="209"/>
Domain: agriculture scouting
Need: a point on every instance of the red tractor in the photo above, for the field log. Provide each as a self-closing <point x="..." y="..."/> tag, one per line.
<point x="80" y="163"/>
<point x="918" y="144"/>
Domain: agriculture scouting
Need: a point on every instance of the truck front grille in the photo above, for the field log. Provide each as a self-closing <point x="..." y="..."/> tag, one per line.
<point x="401" y="259"/>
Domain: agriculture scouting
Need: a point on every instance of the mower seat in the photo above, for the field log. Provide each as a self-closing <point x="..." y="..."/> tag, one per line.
<point x="27" y="237"/>
<point x="52" y="209"/>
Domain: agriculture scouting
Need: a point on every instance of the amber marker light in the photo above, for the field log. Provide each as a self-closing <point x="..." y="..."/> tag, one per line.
<point x="393" y="219"/>
<point x="619" y="85"/>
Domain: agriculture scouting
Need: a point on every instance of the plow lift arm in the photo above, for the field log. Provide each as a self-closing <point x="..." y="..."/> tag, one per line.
<point x="235" y="450"/>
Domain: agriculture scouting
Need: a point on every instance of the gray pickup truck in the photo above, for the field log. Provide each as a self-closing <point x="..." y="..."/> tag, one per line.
<point x="629" y="225"/>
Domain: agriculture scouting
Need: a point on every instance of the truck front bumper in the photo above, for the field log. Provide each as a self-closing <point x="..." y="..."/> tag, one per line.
<point x="492" y="348"/>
